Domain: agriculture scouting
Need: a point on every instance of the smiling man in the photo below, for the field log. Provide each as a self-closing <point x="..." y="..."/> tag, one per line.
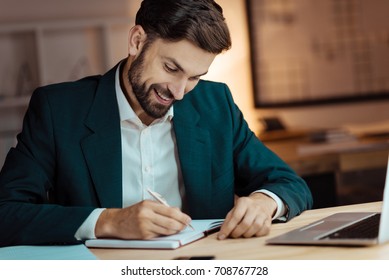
<point x="91" y="149"/>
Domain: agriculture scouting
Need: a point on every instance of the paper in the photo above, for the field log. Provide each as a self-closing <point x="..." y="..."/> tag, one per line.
<point x="188" y="235"/>
<point x="65" y="252"/>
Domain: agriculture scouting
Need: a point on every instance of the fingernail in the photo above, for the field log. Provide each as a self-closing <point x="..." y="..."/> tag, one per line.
<point x="221" y="236"/>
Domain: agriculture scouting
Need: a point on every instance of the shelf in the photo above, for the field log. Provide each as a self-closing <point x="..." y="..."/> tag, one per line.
<point x="40" y="53"/>
<point x="34" y="54"/>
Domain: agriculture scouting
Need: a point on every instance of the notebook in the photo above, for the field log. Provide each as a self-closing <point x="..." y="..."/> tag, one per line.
<point x="350" y="228"/>
<point x="201" y="229"/>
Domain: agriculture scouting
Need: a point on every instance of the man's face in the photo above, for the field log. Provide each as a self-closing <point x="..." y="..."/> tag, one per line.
<point x="164" y="72"/>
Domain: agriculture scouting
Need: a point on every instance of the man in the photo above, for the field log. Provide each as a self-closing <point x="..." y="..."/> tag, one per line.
<point x="90" y="150"/>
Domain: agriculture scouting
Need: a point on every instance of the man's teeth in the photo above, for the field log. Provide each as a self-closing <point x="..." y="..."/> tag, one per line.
<point x="163" y="97"/>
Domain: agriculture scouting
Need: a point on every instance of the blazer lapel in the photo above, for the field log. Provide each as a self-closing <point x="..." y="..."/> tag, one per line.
<point x="102" y="148"/>
<point x="193" y="144"/>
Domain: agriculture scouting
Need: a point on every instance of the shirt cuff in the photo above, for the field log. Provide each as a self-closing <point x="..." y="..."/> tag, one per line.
<point x="281" y="207"/>
<point x="87" y="229"/>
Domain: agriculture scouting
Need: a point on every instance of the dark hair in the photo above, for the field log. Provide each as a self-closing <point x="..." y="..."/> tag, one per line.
<point x="199" y="21"/>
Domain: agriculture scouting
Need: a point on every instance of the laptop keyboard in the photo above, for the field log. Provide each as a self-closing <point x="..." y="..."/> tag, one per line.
<point x="365" y="229"/>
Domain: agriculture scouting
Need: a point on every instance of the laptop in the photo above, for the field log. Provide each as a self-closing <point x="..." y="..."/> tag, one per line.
<point x="349" y="228"/>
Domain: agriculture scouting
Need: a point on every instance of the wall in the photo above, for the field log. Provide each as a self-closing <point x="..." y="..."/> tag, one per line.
<point x="30" y="10"/>
<point x="14" y="12"/>
<point x="232" y="67"/>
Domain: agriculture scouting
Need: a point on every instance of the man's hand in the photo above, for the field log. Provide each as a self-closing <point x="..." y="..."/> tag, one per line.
<point x="251" y="216"/>
<point x="144" y="220"/>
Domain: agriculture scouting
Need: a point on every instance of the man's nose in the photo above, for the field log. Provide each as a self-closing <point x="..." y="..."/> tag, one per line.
<point x="177" y="88"/>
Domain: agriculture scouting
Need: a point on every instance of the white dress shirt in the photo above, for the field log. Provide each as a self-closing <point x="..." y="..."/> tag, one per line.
<point x="149" y="161"/>
<point x="149" y="157"/>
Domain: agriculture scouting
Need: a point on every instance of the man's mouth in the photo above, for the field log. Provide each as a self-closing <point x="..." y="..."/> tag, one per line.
<point x="162" y="98"/>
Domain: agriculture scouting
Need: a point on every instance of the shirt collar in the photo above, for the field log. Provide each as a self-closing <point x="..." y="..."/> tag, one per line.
<point x="125" y="110"/>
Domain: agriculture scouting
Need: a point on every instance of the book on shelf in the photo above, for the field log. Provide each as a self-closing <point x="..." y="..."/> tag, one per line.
<point x="201" y="228"/>
<point x="331" y="136"/>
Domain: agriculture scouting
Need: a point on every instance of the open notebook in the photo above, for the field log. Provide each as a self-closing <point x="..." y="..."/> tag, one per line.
<point x="201" y="229"/>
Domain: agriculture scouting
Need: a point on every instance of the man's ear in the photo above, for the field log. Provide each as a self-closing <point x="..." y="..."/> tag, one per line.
<point x="136" y="38"/>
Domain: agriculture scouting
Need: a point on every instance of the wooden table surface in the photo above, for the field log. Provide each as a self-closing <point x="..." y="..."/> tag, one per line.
<point x="255" y="248"/>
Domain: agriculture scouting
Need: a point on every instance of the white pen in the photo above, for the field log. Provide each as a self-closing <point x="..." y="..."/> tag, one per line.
<point x="162" y="200"/>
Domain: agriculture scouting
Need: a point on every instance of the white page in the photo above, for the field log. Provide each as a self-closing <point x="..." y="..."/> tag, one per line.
<point x="174" y="241"/>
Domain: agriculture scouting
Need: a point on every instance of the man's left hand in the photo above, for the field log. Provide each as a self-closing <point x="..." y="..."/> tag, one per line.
<point x="251" y="216"/>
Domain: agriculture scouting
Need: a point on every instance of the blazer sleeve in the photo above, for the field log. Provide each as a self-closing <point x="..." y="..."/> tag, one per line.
<point x="257" y="167"/>
<point x="27" y="216"/>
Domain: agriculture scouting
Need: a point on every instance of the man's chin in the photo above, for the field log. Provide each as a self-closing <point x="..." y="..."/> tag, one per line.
<point x="159" y="114"/>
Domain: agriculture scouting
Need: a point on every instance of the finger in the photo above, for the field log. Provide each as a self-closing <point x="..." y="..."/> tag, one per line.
<point x="152" y="219"/>
<point x="158" y="230"/>
<point x="265" y="230"/>
<point x="173" y="213"/>
<point x="171" y="219"/>
<point x="260" y="227"/>
<point x="244" y="225"/>
<point x="169" y="224"/>
<point x="156" y="225"/>
<point x="233" y="218"/>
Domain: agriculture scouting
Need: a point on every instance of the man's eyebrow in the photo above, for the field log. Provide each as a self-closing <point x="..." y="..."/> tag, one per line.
<point x="179" y="67"/>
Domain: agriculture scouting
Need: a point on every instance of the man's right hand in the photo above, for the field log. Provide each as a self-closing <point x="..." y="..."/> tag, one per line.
<point x="144" y="220"/>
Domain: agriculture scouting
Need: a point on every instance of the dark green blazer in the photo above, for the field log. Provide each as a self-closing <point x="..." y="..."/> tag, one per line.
<point x="68" y="160"/>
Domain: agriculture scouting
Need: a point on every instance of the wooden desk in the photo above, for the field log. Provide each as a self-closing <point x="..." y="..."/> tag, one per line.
<point x="255" y="248"/>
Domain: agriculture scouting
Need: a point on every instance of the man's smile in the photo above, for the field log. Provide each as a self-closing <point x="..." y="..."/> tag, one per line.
<point x="162" y="98"/>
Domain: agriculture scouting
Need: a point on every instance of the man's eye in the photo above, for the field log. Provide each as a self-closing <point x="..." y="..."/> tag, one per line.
<point x="194" y="79"/>
<point x="169" y="69"/>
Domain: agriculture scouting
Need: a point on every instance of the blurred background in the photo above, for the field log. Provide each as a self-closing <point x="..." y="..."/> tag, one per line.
<point x="303" y="72"/>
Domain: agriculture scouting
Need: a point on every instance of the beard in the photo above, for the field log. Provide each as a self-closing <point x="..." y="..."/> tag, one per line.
<point x="144" y="94"/>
